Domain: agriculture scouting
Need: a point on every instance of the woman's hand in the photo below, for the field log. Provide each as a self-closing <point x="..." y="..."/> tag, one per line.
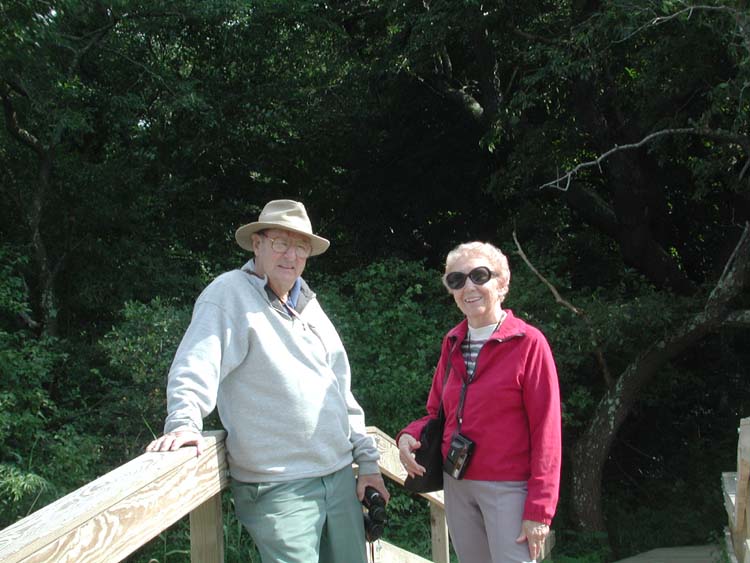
<point x="407" y="445"/>
<point x="174" y="440"/>
<point x="535" y="533"/>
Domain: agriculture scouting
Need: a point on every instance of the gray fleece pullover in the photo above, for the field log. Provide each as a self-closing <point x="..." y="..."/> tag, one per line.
<point x="281" y="383"/>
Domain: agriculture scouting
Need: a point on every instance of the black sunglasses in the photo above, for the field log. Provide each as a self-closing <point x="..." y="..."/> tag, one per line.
<point x="479" y="276"/>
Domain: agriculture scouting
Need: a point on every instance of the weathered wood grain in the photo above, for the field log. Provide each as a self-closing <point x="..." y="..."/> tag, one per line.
<point x="112" y="516"/>
<point x="389" y="553"/>
<point x="207" y="532"/>
<point x="691" y="554"/>
<point x="736" y="490"/>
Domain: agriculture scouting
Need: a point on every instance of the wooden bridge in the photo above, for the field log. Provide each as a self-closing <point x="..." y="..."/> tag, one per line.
<point x="111" y="517"/>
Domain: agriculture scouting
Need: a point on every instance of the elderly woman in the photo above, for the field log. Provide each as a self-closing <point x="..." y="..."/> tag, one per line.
<point x="498" y="384"/>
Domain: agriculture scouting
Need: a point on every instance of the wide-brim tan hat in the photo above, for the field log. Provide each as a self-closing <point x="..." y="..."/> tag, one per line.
<point x="282" y="214"/>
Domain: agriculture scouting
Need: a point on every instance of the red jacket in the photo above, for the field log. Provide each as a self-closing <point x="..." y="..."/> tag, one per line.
<point x="511" y="411"/>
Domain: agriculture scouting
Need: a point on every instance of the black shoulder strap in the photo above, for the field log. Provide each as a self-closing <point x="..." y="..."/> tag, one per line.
<point x="449" y="365"/>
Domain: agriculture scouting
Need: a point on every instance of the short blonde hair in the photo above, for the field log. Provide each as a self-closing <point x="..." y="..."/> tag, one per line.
<point x="497" y="260"/>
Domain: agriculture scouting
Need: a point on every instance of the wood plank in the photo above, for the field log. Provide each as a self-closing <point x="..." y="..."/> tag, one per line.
<point x="112" y="516"/>
<point x="739" y="523"/>
<point x="549" y="543"/>
<point x="743" y="477"/>
<point x="388" y="553"/>
<point x="692" y="554"/>
<point x="390" y="464"/>
<point x="729" y="488"/>
<point x="728" y="546"/>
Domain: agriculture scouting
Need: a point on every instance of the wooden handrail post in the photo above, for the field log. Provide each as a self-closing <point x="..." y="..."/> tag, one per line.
<point x="736" y="487"/>
<point x="439" y="529"/>
<point x="207" y="532"/>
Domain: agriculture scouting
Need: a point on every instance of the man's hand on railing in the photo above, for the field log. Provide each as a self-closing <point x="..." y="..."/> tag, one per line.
<point x="407" y="445"/>
<point x="174" y="440"/>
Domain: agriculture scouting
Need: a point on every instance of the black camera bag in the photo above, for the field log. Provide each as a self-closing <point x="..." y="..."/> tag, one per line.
<point x="429" y="456"/>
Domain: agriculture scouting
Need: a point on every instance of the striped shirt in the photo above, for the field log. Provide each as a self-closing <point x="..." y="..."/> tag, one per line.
<point x="475" y="339"/>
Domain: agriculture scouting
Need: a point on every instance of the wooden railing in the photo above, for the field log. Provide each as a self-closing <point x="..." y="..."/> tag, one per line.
<point x="391" y="467"/>
<point x="736" y="486"/>
<point x="116" y="514"/>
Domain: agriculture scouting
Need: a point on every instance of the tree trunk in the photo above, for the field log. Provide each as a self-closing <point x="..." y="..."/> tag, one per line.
<point x="47" y="304"/>
<point x="634" y="209"/>
<point x="44" y="296"/>
<point x="592" y="448"/>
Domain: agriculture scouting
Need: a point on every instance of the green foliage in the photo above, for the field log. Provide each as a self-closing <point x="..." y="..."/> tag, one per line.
<point x="13" y="291"/>
<point x="391" y="316"/>
<point x="42" y="452"/>
<point x="19" y="488"/>
<point x="580" y="547"/>
<point x="140" y="349"/>
<point x="144" y="342"/>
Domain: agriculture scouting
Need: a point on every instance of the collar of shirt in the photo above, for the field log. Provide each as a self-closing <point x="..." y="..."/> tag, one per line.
<point x="294" y="294"/>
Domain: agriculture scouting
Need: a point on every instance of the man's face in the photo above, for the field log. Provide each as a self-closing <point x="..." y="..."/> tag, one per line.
<point x="282" y="267"/>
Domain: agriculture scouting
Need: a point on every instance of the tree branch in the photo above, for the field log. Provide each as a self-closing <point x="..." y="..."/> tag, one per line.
<point x="144" y="67"/>
<point x="456" y="95"/>
<point x="14" y="84"/>
<point x="13" y="127"/>
<point x="689" y="10"/>
<point x="718" y="135"/>
<point x="27" y="321"/>
<point x="737" y="319"/>
<point x="734" y="277"/>
<point x="95" y="38"/>
<point x="575" y="310"/>
<point x="535" y="38"/>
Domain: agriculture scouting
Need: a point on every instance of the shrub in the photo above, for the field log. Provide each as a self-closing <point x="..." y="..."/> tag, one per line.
<point x="391" y="316"/>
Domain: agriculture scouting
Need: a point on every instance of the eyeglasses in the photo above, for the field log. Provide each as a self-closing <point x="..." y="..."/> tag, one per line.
<point x="281" y="245"/>
<point x="479" y="276"/>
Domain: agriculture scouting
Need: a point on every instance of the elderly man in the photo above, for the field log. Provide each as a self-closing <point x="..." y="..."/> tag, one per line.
<point x="260" y="349"/>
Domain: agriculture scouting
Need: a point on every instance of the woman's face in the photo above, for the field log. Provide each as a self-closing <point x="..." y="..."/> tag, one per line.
<point x="480" y="303"/>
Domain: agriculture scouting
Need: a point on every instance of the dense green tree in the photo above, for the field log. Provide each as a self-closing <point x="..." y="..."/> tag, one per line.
<point x="549" y="88"/>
